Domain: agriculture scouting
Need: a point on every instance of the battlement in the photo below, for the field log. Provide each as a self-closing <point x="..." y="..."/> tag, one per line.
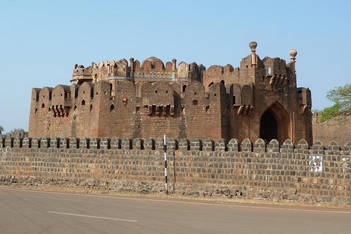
<point x="147" y="99"/>
<point x="176" y="145"/>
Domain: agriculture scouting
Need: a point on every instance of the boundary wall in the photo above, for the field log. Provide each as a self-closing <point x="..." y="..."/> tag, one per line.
<point x="295" y="173"/>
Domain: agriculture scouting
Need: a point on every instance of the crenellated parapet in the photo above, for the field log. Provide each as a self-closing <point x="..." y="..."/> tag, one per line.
<point x="131" y="98"/>
<point x="151" y="69"/>
<point x="330" y="151"/>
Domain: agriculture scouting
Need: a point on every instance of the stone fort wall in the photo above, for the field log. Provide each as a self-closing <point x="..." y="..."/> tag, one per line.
<point x="337" y="129"/>
<point x="286" y="172"/>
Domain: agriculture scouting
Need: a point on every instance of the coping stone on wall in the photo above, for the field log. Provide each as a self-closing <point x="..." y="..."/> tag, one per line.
<point x="301" y="147"/>
<point x="84" y="143"/>
<point x="54" y="143"/>
<point x="195" y="145"/>
<point x="126" y="144"/>
<point x="2" y="141"/>
<point x="246" y="145"/>
<point x="317" y="148"/>
<point x="347" y="146"/>
<point x="273" y="146"/>
<point x="233" y="145"/>
<point x="260" y="145"/>
<point x="45" y="143"/>
<point x="159" y="144"/>
<point x="17" y="142"/>
<point x="287" y="146"/>
<point x="105" y="143"/>
<point x="115" y="143"/>
<point x="36" y="143"/>
<point x="74" y="143"/>
<point x="184" y="144"/>
<point x="94" y="143"/>
<point x="333" y="146"/>
<point x="64" y="143"/>
<point x="207" y="145"/>
<point x="172" y="144"/>
<point x="220" y="145"/>
<point x="8" y="142"/>
<point x="137" y="143"/>
<point x="27" y="142"/>
<point x="149" y="144"/>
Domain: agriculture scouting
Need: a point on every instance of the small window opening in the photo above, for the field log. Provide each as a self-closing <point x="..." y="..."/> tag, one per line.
<point x="83" y="102"/>
<point x="43" y="105"/>
<point x="269" y="71"/>
<point x="155" y="91"/>
<point x="112" y="107"/>
<point x="184" y="87"/>
<point x="195" y="102"/>
<point x="91" y="107"/>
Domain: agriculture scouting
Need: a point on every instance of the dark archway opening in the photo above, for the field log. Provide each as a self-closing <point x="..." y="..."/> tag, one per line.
<point x="275" y="124"/>
<point x="268" y="126"/>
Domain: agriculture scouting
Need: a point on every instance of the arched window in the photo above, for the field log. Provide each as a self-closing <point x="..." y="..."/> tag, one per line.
<point x="112" y="107"/>
<point x="83" y="102"/>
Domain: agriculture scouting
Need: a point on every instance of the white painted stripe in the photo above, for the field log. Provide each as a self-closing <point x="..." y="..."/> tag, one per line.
<point x="94" y="217"/>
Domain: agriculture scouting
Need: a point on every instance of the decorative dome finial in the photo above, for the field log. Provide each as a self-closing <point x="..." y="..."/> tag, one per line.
<point x="253" y="46"/>
<point x="292" y="53"/>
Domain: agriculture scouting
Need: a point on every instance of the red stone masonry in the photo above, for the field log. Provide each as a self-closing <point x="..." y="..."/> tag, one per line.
<point x="146" y="100"/>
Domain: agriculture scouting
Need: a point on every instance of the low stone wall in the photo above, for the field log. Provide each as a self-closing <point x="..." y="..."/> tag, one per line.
<point x="287" y="172"/>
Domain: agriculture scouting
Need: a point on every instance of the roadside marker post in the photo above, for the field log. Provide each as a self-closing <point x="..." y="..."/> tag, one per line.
<point x="165" y="162"/>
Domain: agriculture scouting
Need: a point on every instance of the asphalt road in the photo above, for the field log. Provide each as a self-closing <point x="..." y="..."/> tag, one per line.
<point x="46" y="212"/>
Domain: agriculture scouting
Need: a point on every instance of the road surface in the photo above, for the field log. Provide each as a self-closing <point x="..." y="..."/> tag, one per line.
<point x="48" y="212"/>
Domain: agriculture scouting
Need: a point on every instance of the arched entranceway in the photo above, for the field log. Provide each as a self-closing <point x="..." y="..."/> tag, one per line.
<point x="275" y="124"/>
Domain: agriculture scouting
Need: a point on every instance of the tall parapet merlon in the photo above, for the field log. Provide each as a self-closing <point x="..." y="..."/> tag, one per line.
<point x="147" y="99"/>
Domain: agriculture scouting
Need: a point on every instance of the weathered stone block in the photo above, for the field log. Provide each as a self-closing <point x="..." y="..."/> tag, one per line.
<point x="260" y="145"/>
<point x="126" y="144"/>
<point x="195" y="144"/>
<point x="45" y="143"/>
<point x="74" y="143"/>
<point x="220" y="145"/>
<point x="149" y="144"/>
<point x="207" y="145"/>
<point x="27" y="142"/>
<point x="115" y="143"/>
<point x="273" y="146"/>
<point x="105" y="143"/>
<point x="184" y="144"/>
<point x="246" y="145"/>
<point x="233" y="145"/>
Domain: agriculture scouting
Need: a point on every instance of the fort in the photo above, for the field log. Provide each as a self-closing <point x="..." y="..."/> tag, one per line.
<point x="232" y="132"/>
<point x="146" y="100"/>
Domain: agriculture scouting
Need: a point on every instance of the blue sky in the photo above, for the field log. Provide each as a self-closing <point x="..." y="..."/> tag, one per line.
<point x="41" y="40"/>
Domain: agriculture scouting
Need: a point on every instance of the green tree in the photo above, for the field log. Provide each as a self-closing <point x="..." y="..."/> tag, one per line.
<point x="341" y="96"/>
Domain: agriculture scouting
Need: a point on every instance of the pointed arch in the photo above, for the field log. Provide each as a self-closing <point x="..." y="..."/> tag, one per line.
<point x="275" y="123"/>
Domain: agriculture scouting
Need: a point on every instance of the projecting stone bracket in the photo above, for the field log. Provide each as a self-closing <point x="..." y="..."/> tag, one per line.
<point x="156" y="110"/>
<point x="276" y="81"/>
<point x="304" y="108"/>
<point x="243" y="109"/>
<point x="60" y="111"/>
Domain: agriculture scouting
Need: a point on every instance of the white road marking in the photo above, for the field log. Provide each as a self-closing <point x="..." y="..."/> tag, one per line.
<point x="94" y="217"/>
